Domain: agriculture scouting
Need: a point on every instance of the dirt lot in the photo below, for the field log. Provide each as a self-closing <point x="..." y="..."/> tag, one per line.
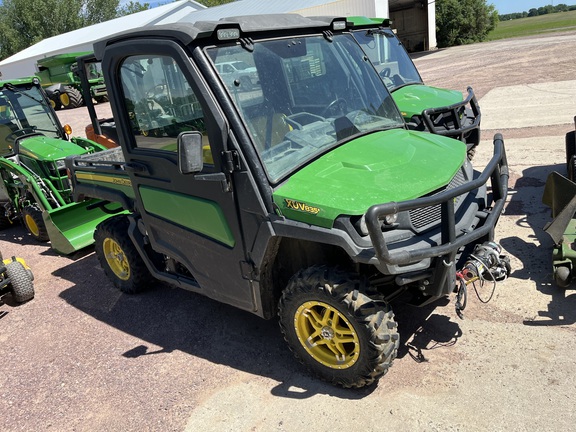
<point x="83" y="357"/>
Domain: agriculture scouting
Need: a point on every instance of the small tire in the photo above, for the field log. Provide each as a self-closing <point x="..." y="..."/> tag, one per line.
<point x="335" y="329"/>
<point x="562" y="276"/>
<point x="119" y="258"/>
<point x="72" y="98"/>
<point x="34" y="223"/>
<point x="20" y="282"/>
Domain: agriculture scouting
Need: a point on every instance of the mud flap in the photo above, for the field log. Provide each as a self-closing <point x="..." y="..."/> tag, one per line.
<point x="71" y="227"/>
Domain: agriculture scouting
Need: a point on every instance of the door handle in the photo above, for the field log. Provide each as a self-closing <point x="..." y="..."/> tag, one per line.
<point x="136" y="168"/>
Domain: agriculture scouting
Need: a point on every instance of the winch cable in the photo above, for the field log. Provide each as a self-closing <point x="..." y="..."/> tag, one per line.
<point x="474" y="270"/>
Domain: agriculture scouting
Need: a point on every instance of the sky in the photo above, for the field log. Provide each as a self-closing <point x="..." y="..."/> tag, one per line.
<point x="511" y="6"/>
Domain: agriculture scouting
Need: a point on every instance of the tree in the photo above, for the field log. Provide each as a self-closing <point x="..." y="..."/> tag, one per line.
<point x="26" y="22"/>
<point x="132" y="7"/>
<point x="210" y="3"/>
<point x="463" y="21"/>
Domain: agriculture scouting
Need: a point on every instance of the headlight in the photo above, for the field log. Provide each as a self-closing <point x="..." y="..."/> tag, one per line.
<point x="60" y="164"/>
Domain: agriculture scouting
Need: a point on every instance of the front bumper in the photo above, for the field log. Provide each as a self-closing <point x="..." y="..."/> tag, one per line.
<point x="416" y="257"/>
<point x="460" y="121"/>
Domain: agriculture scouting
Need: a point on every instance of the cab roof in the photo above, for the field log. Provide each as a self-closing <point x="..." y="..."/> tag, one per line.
<point x="186" y="33"/>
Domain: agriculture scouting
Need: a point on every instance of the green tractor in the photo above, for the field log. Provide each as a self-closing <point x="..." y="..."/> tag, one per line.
<point x="60" y="80"/>
<point x="424" y="108"/>
<point x="34" y="186"/>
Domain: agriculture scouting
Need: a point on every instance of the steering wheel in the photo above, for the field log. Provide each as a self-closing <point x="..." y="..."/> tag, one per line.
<point x="385" y="73"/>
<point x="337" y="106"/>
<point x="20" y="133"/>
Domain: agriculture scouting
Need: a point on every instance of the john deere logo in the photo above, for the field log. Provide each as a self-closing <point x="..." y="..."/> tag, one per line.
<point x="299" y="206"/>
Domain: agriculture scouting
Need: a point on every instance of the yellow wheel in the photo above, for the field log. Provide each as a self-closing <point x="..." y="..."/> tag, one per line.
<point x="119" y="258"/>
<point x="31" y="225"/>
<point x="335" y="329"/>
<point x="65" y="100"/>
<point x="116" y="259"/>
<point x="326" y="335"/>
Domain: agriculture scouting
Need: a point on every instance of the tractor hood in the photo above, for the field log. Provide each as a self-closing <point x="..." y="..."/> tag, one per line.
<point x="393" y="165"/>
<point x="415" y="98"/>
<point x="43" y="148"/>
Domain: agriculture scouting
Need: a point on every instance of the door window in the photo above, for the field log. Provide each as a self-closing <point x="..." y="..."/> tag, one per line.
<point x="160" y="103"/>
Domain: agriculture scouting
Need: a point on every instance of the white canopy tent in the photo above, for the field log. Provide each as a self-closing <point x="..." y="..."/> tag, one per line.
<point x="24" y="62"/>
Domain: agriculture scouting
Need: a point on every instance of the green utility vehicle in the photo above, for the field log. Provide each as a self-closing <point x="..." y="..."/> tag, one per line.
<point x="433" y="109"/>
<point x="34" y="186"/>
<point x="60" y="80"/>
<point x="303" y="195"/>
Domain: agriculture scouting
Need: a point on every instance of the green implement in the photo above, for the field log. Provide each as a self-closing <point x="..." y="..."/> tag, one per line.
<point x="34" y="186"/>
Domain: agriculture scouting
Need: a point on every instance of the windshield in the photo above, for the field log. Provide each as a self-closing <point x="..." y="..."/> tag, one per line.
<point x="304" y="96"/>
<point x="389" y="57"/>
<point x="23" y="110"/>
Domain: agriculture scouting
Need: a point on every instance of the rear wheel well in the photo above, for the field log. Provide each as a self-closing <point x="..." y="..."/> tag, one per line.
<point x="285" y="257"/>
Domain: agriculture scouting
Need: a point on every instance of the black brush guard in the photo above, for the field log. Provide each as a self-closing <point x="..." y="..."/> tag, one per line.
<point x="455" y="121"/>
<point x="496" y="171"/>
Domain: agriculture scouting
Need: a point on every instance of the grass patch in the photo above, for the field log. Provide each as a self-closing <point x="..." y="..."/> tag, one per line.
<point x="560" y="21"/>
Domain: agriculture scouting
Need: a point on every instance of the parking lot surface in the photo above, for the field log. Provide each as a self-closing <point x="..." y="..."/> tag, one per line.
<point x="82" y="356"/>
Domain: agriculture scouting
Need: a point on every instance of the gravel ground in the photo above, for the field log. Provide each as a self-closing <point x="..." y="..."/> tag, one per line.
<point x="83" y="357"/>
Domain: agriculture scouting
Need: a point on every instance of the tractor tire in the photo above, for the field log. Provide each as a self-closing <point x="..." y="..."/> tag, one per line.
<point x="102" y="99"/>
<point x="335" y="329"/>
<point x="119" y="258"/>
<point x="20" y="282"/>
<point x="32" y="219"/>
<point x="72" y="98"/>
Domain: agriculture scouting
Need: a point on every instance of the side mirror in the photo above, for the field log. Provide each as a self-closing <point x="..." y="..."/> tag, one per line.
<point x="190" y="158"/>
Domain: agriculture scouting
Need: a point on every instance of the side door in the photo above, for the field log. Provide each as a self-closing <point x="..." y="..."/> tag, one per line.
<point x="192" y="218"/>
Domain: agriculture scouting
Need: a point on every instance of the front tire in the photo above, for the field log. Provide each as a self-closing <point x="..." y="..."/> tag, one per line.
<point x="335" y="329"/>
<point x="20" y="282"/>
<point x="34" y="223"/>
<point x="119" y="258"/>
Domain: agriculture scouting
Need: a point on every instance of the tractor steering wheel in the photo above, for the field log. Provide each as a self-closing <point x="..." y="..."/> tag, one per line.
<point x="338" y="105"/>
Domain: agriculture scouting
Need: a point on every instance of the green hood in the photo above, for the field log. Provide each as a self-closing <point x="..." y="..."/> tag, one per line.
<point x="413" y="99"/>
<point x="45" y="149"/>
<point x="394" y="165"/>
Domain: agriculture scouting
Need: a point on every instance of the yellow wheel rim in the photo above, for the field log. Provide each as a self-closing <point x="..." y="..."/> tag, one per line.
<point x="65" y="99"/>
<point x="52" y="103"/>
<point x="116" y="259"/>
<point x="327" y="335"/>
<point x="32" y="225"/>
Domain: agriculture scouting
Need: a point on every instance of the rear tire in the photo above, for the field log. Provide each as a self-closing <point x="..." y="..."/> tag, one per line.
<point x="72" y="98"/>
<point x="119" y="258"/>
<point x="32" y="218"/>
<point x="20" y="282"/>
<point x="335" y="329"/>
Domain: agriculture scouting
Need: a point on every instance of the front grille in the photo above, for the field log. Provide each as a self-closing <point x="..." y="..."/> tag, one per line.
<point x="425" y="216"/>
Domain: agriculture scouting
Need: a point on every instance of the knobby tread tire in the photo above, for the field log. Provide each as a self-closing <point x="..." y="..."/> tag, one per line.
<point x="20" y="282"/>
<point x="372" y="319"/>
<point x="116" y="228"/>
<point x="36" y="214"/>
<point x="75" y="98"/>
